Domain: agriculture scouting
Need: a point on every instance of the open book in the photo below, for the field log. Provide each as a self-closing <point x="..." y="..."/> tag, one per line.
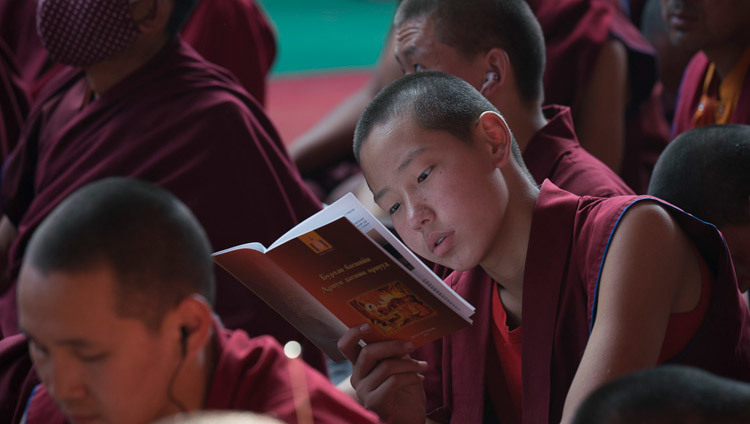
<point x="341" y="268"/>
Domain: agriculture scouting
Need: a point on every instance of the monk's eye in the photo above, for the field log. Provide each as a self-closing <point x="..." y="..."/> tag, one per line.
<point x="92" y="357"/>
<point x="423" y="176"/>
<point x="394" y="208"/>
<point x="419" y="68"/>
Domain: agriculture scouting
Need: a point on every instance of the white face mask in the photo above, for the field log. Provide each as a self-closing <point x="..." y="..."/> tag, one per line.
<point x="84" y="32"/>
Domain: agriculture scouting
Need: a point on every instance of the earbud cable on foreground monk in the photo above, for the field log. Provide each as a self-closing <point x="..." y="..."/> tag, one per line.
<point x="170" y="388"/>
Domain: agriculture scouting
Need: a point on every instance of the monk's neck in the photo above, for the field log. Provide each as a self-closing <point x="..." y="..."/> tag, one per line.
<point x="104" y="75"/>
<point x="506" y="260"/>
<point x="192" y="385"/>
<point x="725" y="56"/>
<point x="524" y="121"/>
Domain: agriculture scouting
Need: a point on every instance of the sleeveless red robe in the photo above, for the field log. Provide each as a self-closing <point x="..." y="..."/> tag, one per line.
<point x="568" y="242"/>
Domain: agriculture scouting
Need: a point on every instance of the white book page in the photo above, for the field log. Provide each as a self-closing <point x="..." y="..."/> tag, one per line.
<point x="254" y="246"/>
<point x="367" y="223"/>
<point x="328" y="214"/>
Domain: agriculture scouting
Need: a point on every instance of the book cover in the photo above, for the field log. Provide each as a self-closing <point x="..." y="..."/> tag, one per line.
<point x="333" y="277"/>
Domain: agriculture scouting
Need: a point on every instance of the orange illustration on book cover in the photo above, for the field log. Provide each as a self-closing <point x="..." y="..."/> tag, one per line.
<point x="334" y="276"/>
<point x="391" y="307"/>
<point x="360" y="283"/>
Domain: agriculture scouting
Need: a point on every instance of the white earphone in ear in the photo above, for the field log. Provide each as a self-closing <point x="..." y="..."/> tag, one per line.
<point x="492" y="77"/>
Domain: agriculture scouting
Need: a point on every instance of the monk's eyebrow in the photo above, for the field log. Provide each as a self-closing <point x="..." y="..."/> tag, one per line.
<point x="409" y="51"/>
<point x="78" y="343"/>
<point x="72" y="342"/>
<point x="380" y="194"/>
<point x="410" y="158"/>
<point x="404" y="164"/>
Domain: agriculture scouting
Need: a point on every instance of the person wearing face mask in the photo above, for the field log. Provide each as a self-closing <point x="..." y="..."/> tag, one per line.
<point x="137" y="101"/>
<point x="715" y="87"/>
<point x="207" y="28"/>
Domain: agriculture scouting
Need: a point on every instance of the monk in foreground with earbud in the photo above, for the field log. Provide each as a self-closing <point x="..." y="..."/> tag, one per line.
<point x="115" y="299"/>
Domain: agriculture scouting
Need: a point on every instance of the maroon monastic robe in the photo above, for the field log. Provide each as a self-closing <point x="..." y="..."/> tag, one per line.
<point x="17" y="378"/>
<point x="234" y="34"/>
<point x="554" y="153"/>
<point x="14" y="102"/>
<point x="250" y="375"/>
<point x="568" y="242"/>
<point x="231" y="33"/>
<point x="574" y="32"/>
<point x="178" y="122"/>
<point x="18" y="30"/>
<point x="691" y="89"/>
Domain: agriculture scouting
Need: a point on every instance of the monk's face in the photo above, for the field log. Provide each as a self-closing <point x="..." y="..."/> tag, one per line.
<point x="417" y="50"/>
<point x="445" y="196"/>
<point x="738" y="241"/>
<point x="706" y="24"/>
<point x="98" y="367"/>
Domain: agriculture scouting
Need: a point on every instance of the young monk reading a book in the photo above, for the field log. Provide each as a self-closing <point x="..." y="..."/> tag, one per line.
<point x="599" y="287"/>
<point x="115" y="299"/>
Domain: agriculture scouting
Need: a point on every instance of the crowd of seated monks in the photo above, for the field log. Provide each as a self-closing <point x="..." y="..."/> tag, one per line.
<point x="577" y="170"/>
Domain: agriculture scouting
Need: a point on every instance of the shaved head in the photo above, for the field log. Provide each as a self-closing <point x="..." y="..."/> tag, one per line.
<point x="476" y="26"/>
<point x="706" y="171"/>
<point x="152" y="243"/>
<point x="667" y="394"/>
<point x="435" y="100"/>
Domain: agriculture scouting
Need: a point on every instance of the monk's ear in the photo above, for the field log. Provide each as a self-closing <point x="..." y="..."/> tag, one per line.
<point x="192" y="325"/>
<point x="497" y="69"/>
<point x="496" y="136"/>
<point x="152" y="15"/>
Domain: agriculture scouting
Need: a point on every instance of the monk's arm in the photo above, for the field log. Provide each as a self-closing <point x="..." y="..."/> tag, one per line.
<point x="8" y="235"/>
<point x="649" y="273"/>
<point x="600" y="119"/>
<point x="331" y="138"/>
